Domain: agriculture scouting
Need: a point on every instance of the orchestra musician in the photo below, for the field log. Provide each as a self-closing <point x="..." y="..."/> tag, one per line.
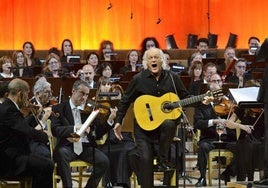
<point x="156" y="81"/>
<point x="69" y="148"/>
<point x="15" y="135"/>
<point x="38" y="120"/>
<point x="240" y="75"/>
<point x="87" y="74"/>
<point x="120" y="171"/>
<point x="205" y="120"/>
<point x="250" y="147"/>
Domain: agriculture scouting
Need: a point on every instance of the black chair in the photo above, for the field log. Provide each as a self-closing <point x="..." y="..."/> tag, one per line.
<point x="170" y="41"/>
<point x="212" y="40"/>
<point x="232" y="41"/>
<point x="192" y="41"/>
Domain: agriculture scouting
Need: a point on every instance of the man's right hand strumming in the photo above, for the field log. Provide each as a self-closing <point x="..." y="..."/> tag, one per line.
<point x="117" y="131"/>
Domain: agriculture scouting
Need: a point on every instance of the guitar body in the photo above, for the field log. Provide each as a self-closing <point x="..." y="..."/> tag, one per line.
<point x="149" y="111"/>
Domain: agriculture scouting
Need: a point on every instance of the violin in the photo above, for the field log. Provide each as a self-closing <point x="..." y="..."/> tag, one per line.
<point x="224" y="107"/>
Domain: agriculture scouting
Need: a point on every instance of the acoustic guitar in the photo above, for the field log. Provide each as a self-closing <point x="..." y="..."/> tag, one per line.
<point x="151" y="111"/>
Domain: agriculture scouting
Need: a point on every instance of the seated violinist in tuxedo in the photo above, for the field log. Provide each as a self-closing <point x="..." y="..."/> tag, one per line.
<point x="207" y="120"/>
<point x="40" y="113"/>
<point x="69" y="148"/>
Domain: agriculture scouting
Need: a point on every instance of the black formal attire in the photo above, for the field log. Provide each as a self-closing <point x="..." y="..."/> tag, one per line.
<point x="141" y="158"/>
<point x="234" y="79"/>
<point x="263" y="97"/>
<point x="38" y="148"/>
<point x="16" y="159"/>
<point x="195" y="86"/>
<point x="120" y="171"/>
<point x="202" y="115"/>
<point x="62" y="127"/>
<point x="250" y="147"/>
<point x="125" y="69"/>
<point x="27" y="72"/>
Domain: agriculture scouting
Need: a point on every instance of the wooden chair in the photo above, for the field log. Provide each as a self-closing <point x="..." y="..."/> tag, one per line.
<point x="79" y="164"/>
<point x="18" y="182"/>
<point x="212" y="155"/>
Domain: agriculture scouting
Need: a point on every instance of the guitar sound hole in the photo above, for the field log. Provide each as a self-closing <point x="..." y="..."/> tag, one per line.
<point x="165" y="110"/>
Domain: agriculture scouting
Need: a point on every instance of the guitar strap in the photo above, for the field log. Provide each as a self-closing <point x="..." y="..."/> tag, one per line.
<point x="173" y="84"/>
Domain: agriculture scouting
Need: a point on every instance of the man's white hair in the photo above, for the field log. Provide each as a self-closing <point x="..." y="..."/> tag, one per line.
<point x="162" y="58"/>
<point x="40" y="85"/>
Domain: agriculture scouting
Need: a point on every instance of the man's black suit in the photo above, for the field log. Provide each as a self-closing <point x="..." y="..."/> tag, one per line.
<point x="62" y="127"/>
<point x="15" y="155"/>
<point x="203" y="114"/>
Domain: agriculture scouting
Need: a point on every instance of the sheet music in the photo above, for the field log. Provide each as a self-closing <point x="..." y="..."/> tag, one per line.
<point x="245" y="94"/>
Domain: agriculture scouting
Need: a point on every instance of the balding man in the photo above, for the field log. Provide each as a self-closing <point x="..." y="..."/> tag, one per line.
<point x="15" y="136"/>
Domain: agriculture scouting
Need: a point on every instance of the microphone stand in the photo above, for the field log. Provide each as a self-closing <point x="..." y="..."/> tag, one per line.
<point x="185" y="124"/>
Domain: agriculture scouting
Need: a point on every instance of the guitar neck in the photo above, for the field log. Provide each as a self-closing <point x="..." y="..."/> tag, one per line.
<point x="189" y="101"/>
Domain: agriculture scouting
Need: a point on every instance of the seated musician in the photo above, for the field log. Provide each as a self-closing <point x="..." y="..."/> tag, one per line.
<point x="106" y="50"/>
<point x="6" y="66"/>
<point x="206" y="120"/>
<point x="120" y="171"/>
<point x="40" y="114"/>
<point x="15" y="135"/>
<point x="239" y="76"/>
<point x="132" y="63"/>
<point x="52" y="67"/>
<point x="69" y="148"/>
<point x="87" y="74"/>
<point x="250" y="146"/>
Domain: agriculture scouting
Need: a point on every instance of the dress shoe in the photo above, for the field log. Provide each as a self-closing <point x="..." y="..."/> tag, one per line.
<point x="163" y="166"/>
<point x="261" y="183"/>
<point x="225" y="177"/>
<point x="201" y="182"/>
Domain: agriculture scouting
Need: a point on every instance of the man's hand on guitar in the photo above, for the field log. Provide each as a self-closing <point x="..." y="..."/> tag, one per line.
<point x="117" y="131"/>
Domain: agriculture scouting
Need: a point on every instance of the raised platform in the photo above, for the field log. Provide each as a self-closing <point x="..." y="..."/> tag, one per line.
<point x="243" y="184"/>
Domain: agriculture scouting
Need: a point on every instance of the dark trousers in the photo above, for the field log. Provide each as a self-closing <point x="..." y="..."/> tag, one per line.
<point x="64" y="155"/>
<point x="205" y="146"/>
<point x="141" y="157"/>
<point x="40" y="169"/>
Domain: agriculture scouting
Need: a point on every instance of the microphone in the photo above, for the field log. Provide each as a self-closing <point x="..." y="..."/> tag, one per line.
<point x="109" y="6"/>
<point x="158" y="21"/>
<point x="168" y="106"/>
<point x="108" y="94"/>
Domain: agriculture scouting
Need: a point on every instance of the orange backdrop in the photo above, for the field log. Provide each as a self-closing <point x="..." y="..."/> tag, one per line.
<point x="86" y="22"/>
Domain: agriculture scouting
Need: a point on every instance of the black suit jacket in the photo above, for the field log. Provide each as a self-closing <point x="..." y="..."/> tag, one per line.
<point x="15" y="137"/>
<point x="203" y="114"/>
<point x="63" y="126"/>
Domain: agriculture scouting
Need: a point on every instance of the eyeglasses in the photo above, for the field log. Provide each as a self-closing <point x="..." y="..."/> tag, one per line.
<point x="241" y="67"/>
<point x="53" y="62"/>
<point x="216" y="81"/>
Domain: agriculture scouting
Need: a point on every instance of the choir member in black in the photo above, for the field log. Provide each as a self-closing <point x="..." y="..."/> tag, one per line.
<point x="240" y="75"/>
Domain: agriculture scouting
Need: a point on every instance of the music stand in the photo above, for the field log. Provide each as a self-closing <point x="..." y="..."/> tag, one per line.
<point x="219" y="143"/>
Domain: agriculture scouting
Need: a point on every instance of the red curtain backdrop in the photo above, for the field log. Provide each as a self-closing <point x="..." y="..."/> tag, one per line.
<point x="87" y="22"/>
